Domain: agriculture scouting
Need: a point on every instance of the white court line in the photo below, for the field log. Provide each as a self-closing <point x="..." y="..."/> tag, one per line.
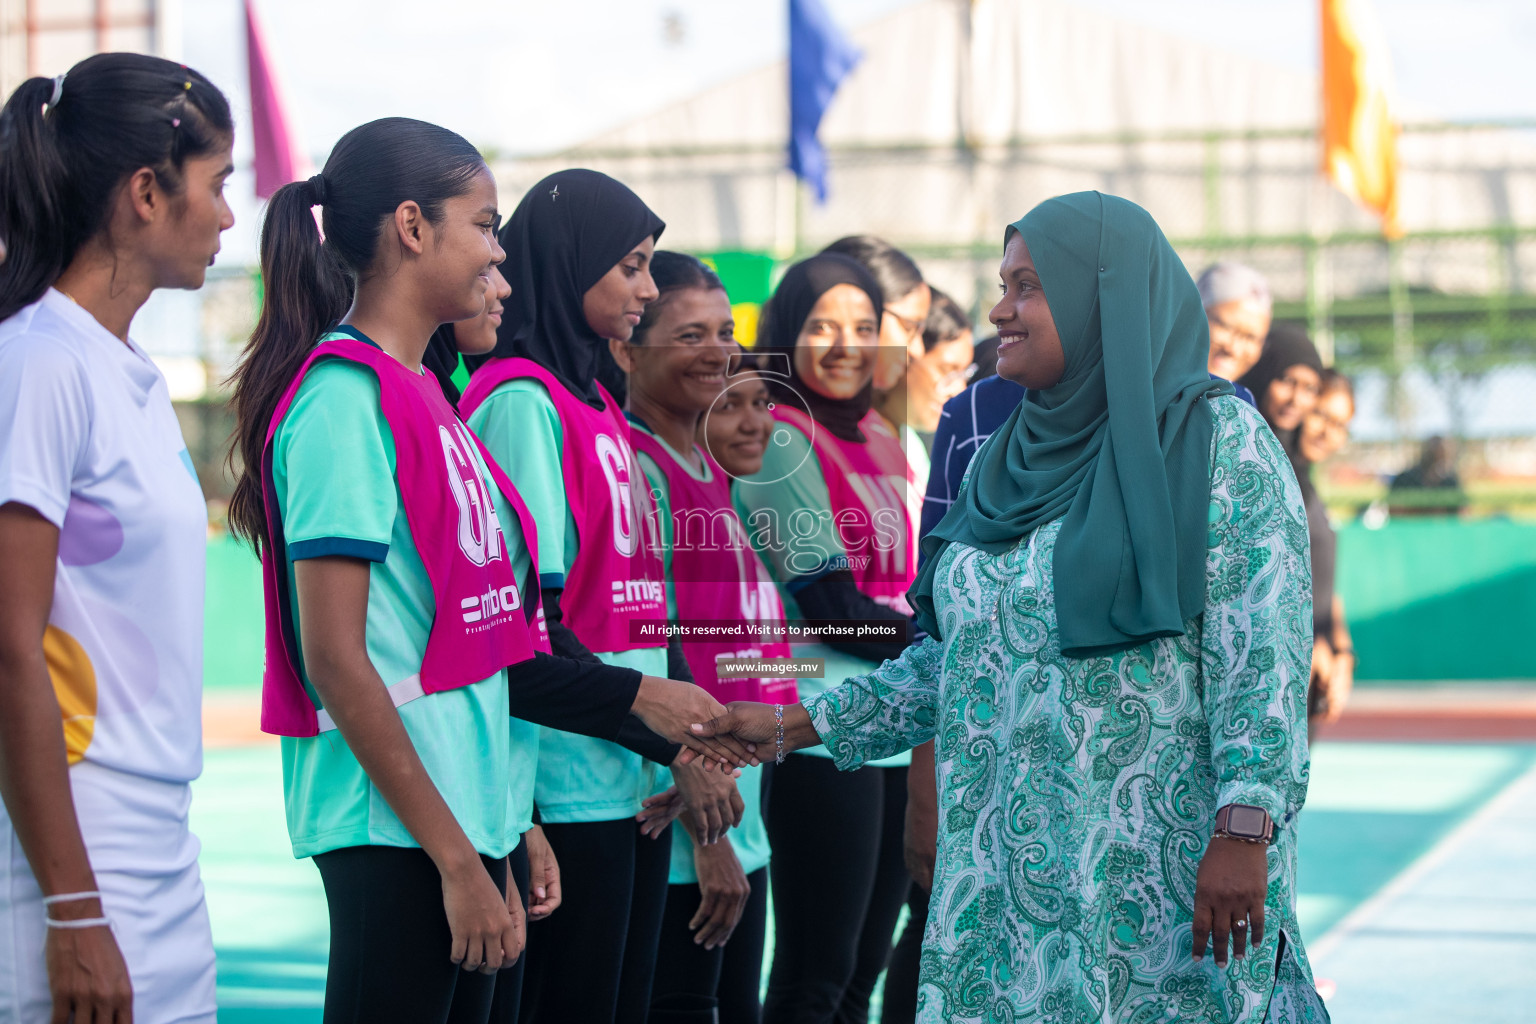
<point x="1507" y="799"/>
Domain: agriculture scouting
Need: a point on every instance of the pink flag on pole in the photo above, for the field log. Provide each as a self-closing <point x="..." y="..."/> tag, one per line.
<point x="279" y="159"/>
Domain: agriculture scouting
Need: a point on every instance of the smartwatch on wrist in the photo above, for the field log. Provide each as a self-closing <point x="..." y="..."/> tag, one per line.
<point x="1246" y="823"/>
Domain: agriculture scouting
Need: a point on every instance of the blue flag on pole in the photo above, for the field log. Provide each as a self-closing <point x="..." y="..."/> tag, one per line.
<point x="820" y="57"/>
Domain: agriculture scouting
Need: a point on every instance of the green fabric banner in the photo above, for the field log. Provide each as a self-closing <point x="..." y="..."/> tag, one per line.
<point x="1434" y="599"/>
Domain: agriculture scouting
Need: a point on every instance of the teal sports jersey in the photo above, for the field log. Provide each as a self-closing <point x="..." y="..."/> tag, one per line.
<point x="334" y="475"/>
<point x="792" y="482"/>
<point x="578" y="778"/>
<point x="750" y="838"/>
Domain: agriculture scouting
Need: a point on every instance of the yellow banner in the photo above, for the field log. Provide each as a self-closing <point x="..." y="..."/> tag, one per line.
<point x="1359" y="133"/>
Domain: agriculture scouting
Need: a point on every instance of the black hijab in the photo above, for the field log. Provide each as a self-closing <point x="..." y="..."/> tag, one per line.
<point x="1286" y="346"/>
<point x="568" y="231"/>
<point x="803" y="284"/>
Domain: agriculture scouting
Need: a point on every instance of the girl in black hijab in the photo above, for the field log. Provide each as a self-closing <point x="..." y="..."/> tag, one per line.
<point x="838" y="877"/>
<point x="578" y="249"/>
<point x="1285" y="380"/>
<point x="570" y="230"/>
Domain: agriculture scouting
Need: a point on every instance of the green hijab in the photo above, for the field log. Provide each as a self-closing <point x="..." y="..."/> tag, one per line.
<point x="1119" y="448"/>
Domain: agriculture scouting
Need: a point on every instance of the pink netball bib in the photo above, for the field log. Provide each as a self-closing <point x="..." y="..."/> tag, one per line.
<point x="616" y="579"/>
<point x="716" y="576"/>
<point x="867" y="484"/>
<point x="485" y="621"/>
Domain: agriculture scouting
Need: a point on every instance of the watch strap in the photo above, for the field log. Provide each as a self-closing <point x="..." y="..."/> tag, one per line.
<point x="1224" y="820"/>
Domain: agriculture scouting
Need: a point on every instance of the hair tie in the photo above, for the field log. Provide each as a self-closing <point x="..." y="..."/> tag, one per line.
<point x="58" y="93"/>
<point x="175" y="122"/>
<point x="317" y="190"/>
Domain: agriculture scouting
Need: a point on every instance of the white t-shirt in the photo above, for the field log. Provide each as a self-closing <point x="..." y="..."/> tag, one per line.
<point x="89" y="439"/>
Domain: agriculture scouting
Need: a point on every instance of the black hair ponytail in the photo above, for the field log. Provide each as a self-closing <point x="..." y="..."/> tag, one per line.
<point x="68" y="144"/>
<point x="308" y="285"/>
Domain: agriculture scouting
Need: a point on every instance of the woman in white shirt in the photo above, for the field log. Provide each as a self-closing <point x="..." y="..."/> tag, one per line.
<point x="111" y="186"/>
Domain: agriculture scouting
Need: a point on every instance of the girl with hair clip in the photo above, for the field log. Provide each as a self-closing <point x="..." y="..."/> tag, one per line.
<point x="710" y="962"/>
<point x="580" y="246"/>
<point x="111" y="186"/>
<point x="399" y="578"/>
<point x="829" y="515"/>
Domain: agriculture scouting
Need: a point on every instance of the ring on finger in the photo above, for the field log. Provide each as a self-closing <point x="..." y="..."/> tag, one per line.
<point x="1241" y="922"/>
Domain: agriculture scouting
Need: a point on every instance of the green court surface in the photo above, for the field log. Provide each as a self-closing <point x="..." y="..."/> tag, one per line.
<point x="1374" y="810"/>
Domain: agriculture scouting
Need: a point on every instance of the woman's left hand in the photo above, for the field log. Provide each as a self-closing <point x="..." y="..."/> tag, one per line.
<point x="724" y="889"/>
<point x="519" y="924"/>
<point x="712" y="799"/>
<point x="543" y="876"/>
<point x="1340" y="684"/>
<point x="1229" y="897"/>
<point x="658" y="812"/>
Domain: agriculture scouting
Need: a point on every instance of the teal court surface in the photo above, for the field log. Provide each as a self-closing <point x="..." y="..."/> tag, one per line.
<point x="1418" y="883"/>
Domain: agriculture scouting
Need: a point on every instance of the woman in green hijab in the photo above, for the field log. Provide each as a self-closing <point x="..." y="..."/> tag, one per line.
<point x="1115" y="677"/>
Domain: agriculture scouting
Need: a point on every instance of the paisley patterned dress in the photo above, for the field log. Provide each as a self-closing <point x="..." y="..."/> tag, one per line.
<point x="1076" y="797"/>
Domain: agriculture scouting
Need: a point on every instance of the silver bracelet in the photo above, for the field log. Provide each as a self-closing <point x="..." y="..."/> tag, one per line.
<point x="70" y="897"/>
<point x="84" y="922"/>
<point x="778" y="732"/>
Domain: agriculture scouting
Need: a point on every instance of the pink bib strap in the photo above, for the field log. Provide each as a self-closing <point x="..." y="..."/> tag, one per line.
<point x="482" y="622"/>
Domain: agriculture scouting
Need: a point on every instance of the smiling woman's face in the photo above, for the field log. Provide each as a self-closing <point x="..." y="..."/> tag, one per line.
<point x="1325" y="429"/>
<point x="835" y="352"/>
<point x="477" y="335"/>
<point x="680" y="364"/>
<point x="735" y="433"/>
<point x="1028" y="348"/>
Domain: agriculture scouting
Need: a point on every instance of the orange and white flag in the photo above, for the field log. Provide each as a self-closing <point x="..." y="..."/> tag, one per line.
<point x="1359" y="132"/>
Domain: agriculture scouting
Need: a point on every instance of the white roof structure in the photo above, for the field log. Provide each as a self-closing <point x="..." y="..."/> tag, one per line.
<point x="963" y="115"/>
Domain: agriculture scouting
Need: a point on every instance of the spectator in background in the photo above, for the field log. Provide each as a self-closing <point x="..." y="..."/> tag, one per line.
<point x="907" y="299"/>
<point x="938" y="374"/>
<point x="1430" y="487"/>
<point x="1238" y="307"/>
<point x="913" y="406"/>
<point x="1285" y="380"/>
<point x="1322" y="433"/>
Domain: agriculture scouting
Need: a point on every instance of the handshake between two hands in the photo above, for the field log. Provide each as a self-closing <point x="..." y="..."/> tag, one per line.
<point x="724" y="736"/>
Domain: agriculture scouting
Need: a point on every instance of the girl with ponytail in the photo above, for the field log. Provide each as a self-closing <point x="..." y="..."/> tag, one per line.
<point x="111" y="186"/>
<point x="399" y="574"/>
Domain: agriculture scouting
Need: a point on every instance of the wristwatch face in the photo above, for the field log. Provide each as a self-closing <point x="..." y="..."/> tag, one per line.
<point x="1243" y="820"/>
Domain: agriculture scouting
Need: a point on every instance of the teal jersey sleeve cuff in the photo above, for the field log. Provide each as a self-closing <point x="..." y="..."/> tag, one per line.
<point x="348" y="547"/>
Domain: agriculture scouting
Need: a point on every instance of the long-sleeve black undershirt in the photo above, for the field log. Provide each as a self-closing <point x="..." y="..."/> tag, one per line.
<point x="574" y="691"/>
<point x="832" y="597"/>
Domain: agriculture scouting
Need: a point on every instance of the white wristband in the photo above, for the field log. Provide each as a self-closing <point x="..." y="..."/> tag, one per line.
<point x="70" y="897"/>
<point x="84" y="922"/>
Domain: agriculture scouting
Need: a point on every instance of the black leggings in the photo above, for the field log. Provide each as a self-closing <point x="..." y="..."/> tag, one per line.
<point x="839" y="881"/>
<point x="390" y="940"/>
<point x="507" y="1003"/>
<point x="592" y="959"/>
<point x="690" y="977"/>
<point x="899" y="1004"/>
